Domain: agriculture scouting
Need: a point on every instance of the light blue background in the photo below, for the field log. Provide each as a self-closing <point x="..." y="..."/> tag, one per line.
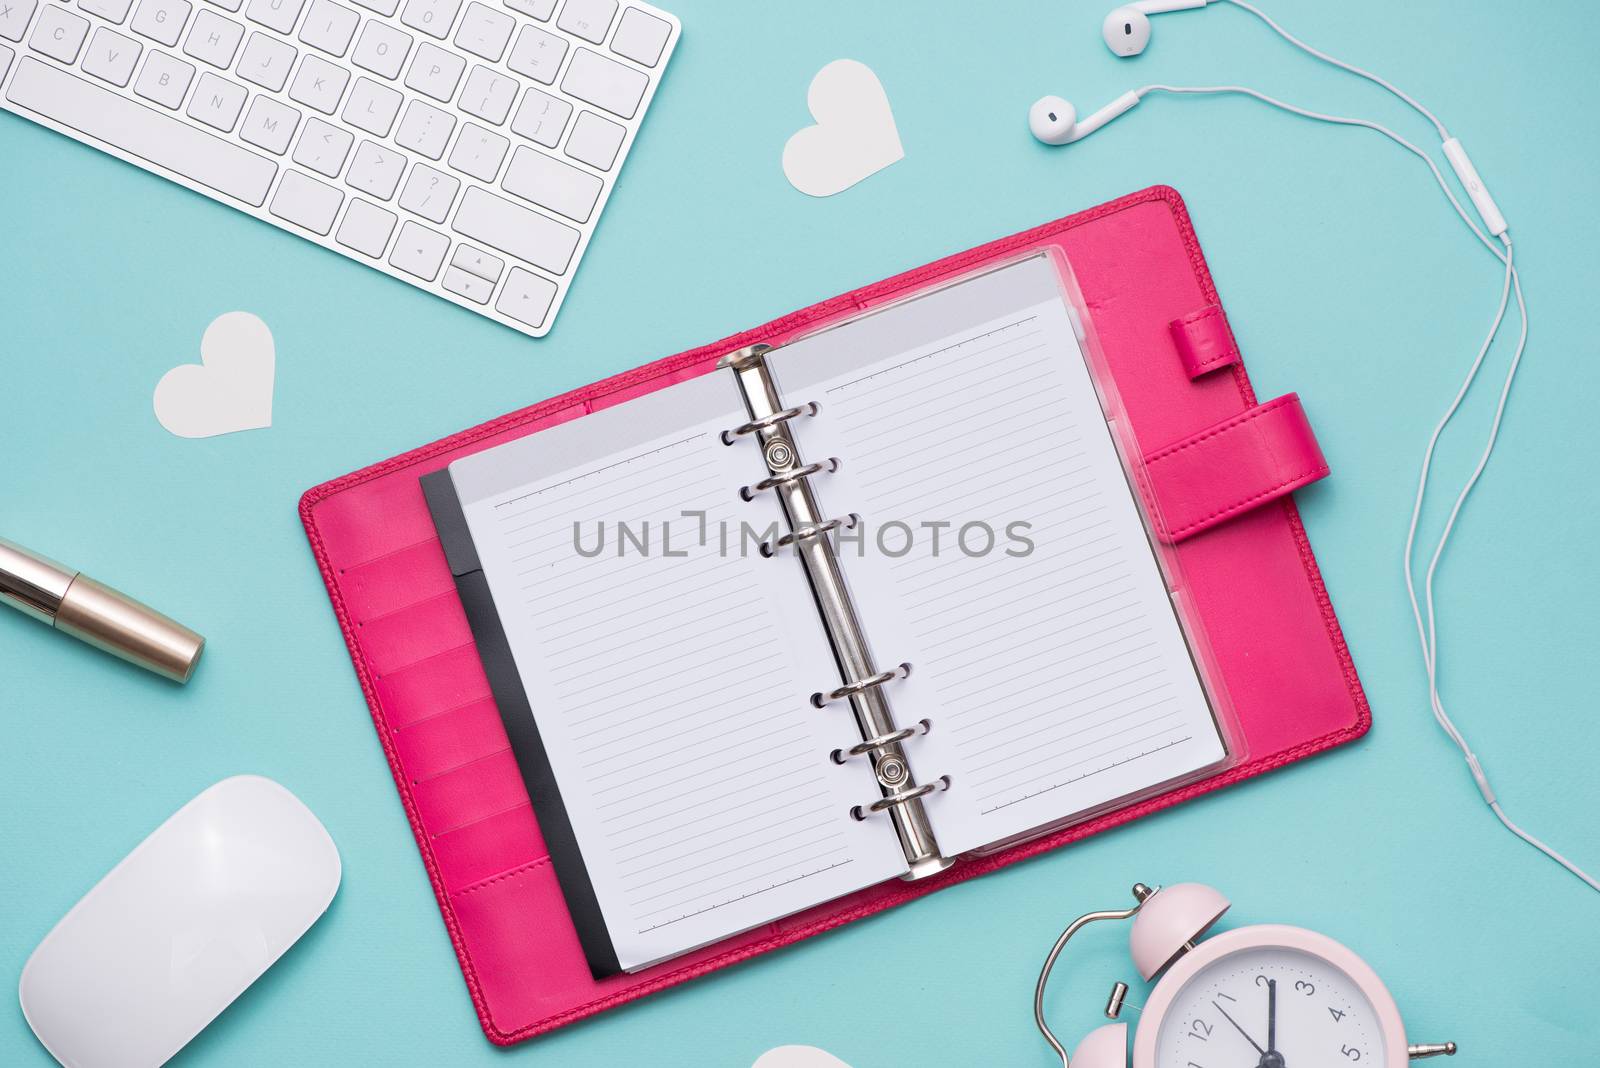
<point x="1346" y="278"/>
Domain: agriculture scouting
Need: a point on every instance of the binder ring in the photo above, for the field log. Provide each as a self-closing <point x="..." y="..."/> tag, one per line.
<point x="821" y="700"/>
<point x="861" y="812"/>
<point x="770" y="548"/>
<point x="728" y="436"/>
<point x="864" y="747"/>
<point x="793" y="475"/>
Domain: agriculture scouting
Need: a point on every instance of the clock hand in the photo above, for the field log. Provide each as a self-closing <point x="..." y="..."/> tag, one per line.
<point x="1241" y="1030"/>
<point x="1272" y="1015"/>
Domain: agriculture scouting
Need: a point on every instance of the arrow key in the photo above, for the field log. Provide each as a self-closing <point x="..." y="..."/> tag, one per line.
<point x="419" y="251"/>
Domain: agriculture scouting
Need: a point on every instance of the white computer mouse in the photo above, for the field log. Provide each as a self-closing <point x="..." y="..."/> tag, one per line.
<point x="180" y="927"/>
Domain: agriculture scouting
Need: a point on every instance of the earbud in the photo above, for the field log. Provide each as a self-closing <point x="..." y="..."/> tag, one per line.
<point x="1127" y="29"/>
<point x="1055" y="121"/>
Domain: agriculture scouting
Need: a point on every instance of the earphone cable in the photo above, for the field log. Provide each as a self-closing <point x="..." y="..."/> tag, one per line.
<point x="1426" y="621"/>
<point x="1444" y="135"/>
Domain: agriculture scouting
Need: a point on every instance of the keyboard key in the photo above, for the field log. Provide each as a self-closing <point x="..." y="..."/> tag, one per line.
<point x="217" y="102"/>
<point x="113" y="11"/>
<point x="526" y="297"/>
<point x="541" y="118"/>
<point x="306" y="202"/>
<point x="366" y="228"/>
<point x="226" y="5"/>
<point x="432" y="17"/>
<point x="488" y="95"/>
<point x="141" y="131"/>
<point x="14" y="16"/>
<point x="277" y="15"/>
<point x="111" y="57"/>
<point x="479" y="152"/>
<point x="329" y="27"/>
<point x="266" y="61"/>
<point x="429" y="193"/>
<point x="605" y="83"/>
<point x="319" y="84"/>
<point x="59" y="33"/>
<point x="485" y="31"/>
<point x="435" y="72"/>
<point x="522" y="233"/>
<point x="475" y="261"/>
<point x="164" y="80"/>
<point x="214" y="39"/>
<point x="548" y="182"/>
<point x="323" y="148"/>
<point x="6" y="56"/>
<point x="539" y="9"/>
<point x="537" y="54"/>
<point x="595" y="140"/>
<point x="467" y="285"/>
<point x="425" y="129"/>
<point x="641" y="37"/>
<point x="376" y="170"/>
<point x="269" y="124"/>
<point x="161" y="20"/>
<point x="372" y="107"/>
<point x="386" y="8"/>
<point x="589" y="19"/>
<point x="382" y="49"/>
<point x="419" y="251"/>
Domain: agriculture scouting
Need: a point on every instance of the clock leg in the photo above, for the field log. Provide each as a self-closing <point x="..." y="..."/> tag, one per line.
<point x="1417" y="1053"/>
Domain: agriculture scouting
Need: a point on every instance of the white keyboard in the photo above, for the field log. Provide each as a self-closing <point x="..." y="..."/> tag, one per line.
<point x="464" y="147"/>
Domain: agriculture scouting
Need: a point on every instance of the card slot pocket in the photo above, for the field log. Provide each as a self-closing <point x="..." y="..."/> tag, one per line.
<point x="413" y="635"/>
<point x="365" y="522"/>
<point x="476" y="791"/>
<point x="450" y="679"/>
<point x="488" y="847"/>
<point x="451" y="738"/>
<point x="398" y="580"/>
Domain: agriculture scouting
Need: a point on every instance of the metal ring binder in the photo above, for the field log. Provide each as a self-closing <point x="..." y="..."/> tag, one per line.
<point x="793" y="474"/>
<point x="771" y="548"/>
<point x="901" y="797"/>
<point x="862" y="748"/>
<point x="882" y="739"/>
<point x="861" y="685"/>
<point x="729" y="436"/>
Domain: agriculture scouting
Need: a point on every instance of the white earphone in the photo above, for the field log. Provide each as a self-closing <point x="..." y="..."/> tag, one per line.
<point x="1054" y="121"/>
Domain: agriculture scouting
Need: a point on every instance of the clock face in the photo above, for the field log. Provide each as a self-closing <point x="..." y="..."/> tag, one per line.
<point x="1270" y="1007"/>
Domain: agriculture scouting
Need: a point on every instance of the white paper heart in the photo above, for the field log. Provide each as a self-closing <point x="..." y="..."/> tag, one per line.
<point x="855" y="135"/>
<point x="798" y="1057"/>
<point x="229" y="389"/>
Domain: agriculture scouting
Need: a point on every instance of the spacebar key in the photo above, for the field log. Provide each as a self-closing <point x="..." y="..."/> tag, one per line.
<point x="142" y="132"/>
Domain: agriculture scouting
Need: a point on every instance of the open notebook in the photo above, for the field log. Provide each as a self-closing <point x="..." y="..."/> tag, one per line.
<point x="836" y="613"/>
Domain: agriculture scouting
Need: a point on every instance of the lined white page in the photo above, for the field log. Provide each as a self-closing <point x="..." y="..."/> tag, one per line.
<point x="670" y="691"/>
<point x="1052" y="670"/>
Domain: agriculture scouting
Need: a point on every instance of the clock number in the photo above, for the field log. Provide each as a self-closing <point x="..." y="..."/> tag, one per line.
<point x="1200" y="1025"/>
<point x="1262" y="980"/>
<point x="1305" y="988"/>
<point x="1226" y="997"/>
<point x="1351" y="1052"/>
<point x="1336" y="1014"/>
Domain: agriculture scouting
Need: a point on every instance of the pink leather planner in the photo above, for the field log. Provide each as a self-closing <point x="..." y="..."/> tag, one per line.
<point x="1218" y="470"/>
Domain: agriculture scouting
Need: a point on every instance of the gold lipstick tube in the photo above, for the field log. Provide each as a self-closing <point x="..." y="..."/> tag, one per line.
<point x="97" y="614"/>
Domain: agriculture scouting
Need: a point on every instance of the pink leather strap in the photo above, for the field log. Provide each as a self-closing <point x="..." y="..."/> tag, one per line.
<point x="1204" y="341"/>
<point x="1232" y="467"/>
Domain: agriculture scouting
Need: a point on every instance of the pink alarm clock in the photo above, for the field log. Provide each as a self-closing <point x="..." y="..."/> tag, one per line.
<point x="1267" y="996"/>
